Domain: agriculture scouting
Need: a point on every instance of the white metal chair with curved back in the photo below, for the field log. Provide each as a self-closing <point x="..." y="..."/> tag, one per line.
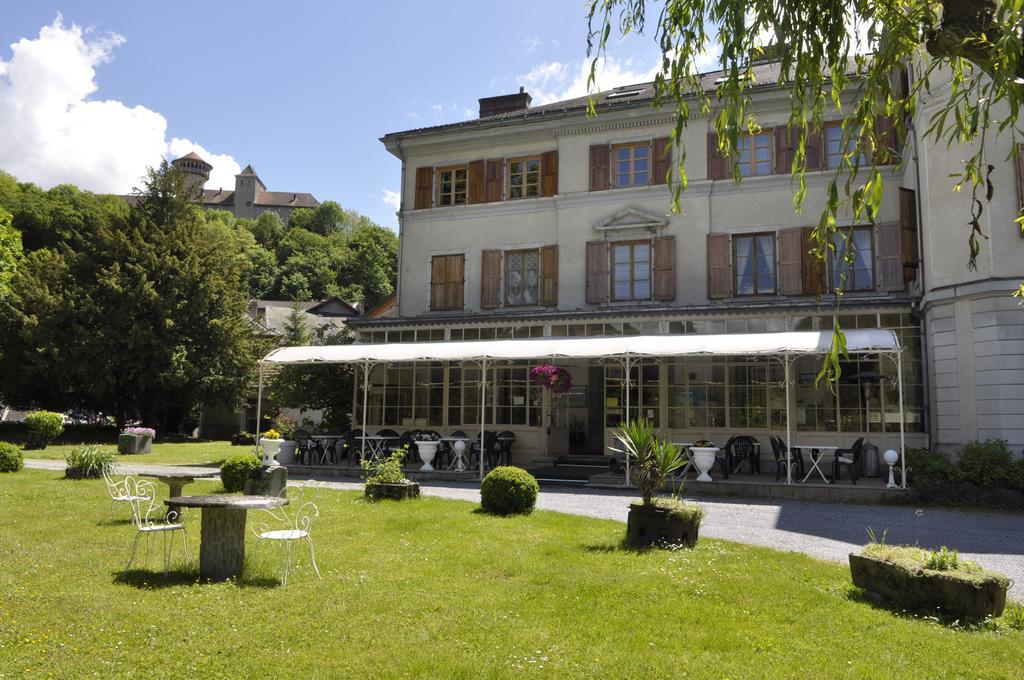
<point x="151" y="518"/>
<point x="120" y="490"/>
<point x="287" y="525"/>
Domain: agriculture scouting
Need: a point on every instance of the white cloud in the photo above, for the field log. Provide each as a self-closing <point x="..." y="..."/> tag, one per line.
<point x="52" y="131"/>
<point x="391" y="198"/>
<point x="555" y="81"/>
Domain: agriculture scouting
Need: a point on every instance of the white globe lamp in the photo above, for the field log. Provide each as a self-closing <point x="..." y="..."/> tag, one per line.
<point x="891" y="458"/>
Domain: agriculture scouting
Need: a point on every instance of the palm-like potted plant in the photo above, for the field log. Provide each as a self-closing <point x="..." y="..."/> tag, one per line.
<point x="656" y="521"/>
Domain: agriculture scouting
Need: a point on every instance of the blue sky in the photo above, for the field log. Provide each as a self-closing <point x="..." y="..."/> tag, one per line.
<point x="302" y="90"/>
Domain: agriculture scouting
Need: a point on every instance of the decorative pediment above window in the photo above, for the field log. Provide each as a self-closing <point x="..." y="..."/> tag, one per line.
<point x="633" y="220"/>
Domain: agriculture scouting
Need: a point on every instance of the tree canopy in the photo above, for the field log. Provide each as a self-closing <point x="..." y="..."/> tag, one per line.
<point x="10" y="251"/>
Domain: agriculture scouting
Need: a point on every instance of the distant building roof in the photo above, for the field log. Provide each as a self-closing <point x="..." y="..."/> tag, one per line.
<point x="271" y="316"/>
<point x="248" y="171"/>
<point x="192" y="156"/>
<point x="286" y="199"/>
<point x="218" y="197"/>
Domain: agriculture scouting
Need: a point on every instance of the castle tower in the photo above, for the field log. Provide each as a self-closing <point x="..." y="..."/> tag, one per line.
<point x="195" y="169"/>
<point x="248" y="188"/>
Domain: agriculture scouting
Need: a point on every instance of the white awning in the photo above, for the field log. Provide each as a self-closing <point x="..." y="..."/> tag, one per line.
<point x="861" y="341"/>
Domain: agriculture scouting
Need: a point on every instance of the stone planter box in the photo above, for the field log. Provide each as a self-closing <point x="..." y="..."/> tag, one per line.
<point x="393" y="491"/>
<point x="929" y="592"/>
<point x="653" y="525"/>
<point x="134" y="443"/>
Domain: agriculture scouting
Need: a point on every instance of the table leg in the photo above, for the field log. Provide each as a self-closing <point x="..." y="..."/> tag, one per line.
<point x="222" y="544"/>
<point x="174" y="490"/>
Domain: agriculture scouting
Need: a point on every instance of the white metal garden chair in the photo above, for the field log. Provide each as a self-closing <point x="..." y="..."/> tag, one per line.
<point x="289" y="524"/>
<point x="150" y="518"/>
<point x="120" y="490"/>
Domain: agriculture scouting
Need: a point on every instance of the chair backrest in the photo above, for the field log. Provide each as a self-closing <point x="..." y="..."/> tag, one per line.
<point x="728" y="443"/>
<point x="506" y="438"/>
<point x="778" y="448"/>
<point x="407" y="439"/>
<point x="490" y="440"/>
<point x="742" y="445"/>
<point x="301" y="436"/>
<point x="142" y="497"/>
<point x="459" y="433"/>
<point x="352" y="438"/>
<point x="298" y="515"/>
<point x="857" y="448"/>
<point x="117" y="488"/>
<point x="391" y="434"/>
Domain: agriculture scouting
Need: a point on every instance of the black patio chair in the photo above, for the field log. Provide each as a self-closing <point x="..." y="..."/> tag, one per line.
<point x="850" y="458"/>
<point x="490" y="446"/>
<point x="391" y="441"/>
<point x="307" y="449"/>
<point x="409" y="439"/>
<point x="353" y="445"/>
<point x="506" y="439"/>
<point x="742" y="448"/>
<point x="723" y="459"/>
<point x="796" y="458"/>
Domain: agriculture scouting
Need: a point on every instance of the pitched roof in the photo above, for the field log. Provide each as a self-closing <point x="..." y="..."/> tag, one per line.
<point x="218" y="197"/>
<point x="192" y="156"/>
<point x="248" y="171"/>
<point x="286" y="199"/>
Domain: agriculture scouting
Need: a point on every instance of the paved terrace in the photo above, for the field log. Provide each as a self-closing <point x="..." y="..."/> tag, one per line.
<point x="828" y="531"/>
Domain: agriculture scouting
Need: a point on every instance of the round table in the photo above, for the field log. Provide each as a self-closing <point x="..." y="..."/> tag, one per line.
<point x="222" y="538"/>
<point x="176" y="481"/>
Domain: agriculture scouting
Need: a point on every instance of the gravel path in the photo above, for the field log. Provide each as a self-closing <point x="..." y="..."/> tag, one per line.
<point x="827" y="531"/>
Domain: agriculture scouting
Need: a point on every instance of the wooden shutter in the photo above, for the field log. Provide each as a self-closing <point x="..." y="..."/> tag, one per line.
<point x="664" y="268"/>
<point x="1020" y="182"/>
<point x="424" y="188"/>
<point x="886" y="149"/>
<point x="599" y="159"/>
<point x="718" y="165"/>
<point x="890" y="257"/>
<point x="661" y="160"/>
<point x="785" y="149"/>
<point x="908" y="233"/>
<point x="719" y="266"/>
<point x="549" y="275"/>
<point x="438" y="281"/>
<point x="549" y="173"/>
<point x="494" y="181"/>
<point x="813" y="150"/>
<point x="475" y="193"/>
<point x="597" y="272"/>
<point x="490" y="279"/>
<point x="791" y="256"/>
<point x="456" y="281"/>
<point x="812" y="269"/>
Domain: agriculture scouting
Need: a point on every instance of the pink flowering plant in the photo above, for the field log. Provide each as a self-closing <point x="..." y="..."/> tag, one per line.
<point x="554" y="378"/>
<point x="142" y="431"/>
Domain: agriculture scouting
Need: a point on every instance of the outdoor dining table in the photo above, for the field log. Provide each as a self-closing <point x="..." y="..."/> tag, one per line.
<point x="375" y="444"/>
<point x="458" y="454"/>
<point x="178" y="480"/>
<point x="331" y="439"/>
<point x="816" y="451"/>
<point x="222" y="537"/>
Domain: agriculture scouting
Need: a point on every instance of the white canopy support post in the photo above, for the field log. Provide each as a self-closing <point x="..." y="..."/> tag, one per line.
<point x="786" y="362"/>
<point x="483" y="410"/>
<point x="903" y="449"/>
<point x="259" y="404"/>
<point x="366" y="390"/>
<point x="627" y="366"/>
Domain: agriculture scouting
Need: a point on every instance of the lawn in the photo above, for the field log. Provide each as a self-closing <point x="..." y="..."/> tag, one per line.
<point x="433" y="588"/>
<point x="180" y="453"/>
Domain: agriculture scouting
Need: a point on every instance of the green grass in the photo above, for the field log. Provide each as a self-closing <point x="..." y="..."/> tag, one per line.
<point x="182" y="453"/>
<point x="431" y="588"/>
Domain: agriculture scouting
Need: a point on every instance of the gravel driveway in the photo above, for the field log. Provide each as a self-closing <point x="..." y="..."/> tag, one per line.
<point x="827" y="531"/>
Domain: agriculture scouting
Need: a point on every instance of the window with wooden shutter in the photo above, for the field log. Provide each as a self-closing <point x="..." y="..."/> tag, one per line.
<point x="524" y="177"/>
<point x="785" y="149"/>
<point x="661" y="160"/>
<point x="599" y="175"/>
<point x="718" y="165"/>
<point x="753" y="264"/>
<point x="813" y="268"/>
<point x="452" y="185"/>
<point x="490" y="279"/>
<point x="887" y="149"/>
<point x="755" y="153"/>
<point x="549" y="173"/>
<point x="890" y="257"/>
<point x="631" y="270"/>
<point x="549" y="275"/>
<point x="597" y="272"/>
<point x="791" y="255"/>
<point x="447" y="282"/>
<point x="664" y="268"/>
<point x="908" y="233"/>
<point x="719" y="266"/>
<point x="424" y="188"/>
<point x="476" y="182"/>
<point x="852" y="259"/>
<point x="813" y="150"/>
<point x="494" y="179"/>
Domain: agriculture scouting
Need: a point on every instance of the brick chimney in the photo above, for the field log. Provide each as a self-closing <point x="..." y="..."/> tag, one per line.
<point x="493" y="106"/>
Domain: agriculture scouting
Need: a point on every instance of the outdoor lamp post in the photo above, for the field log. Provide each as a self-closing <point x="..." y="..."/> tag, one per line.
<point x="891" y="458"/>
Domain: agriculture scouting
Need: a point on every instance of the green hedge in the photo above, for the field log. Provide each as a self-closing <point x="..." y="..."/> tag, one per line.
<point x="11" y="459"/>
<point x="237" y="470"/>
<point x="44" y="427"/>
<point x="508" y="490"/>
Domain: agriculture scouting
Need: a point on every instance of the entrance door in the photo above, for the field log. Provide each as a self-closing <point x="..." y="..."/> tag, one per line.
<point x="594" y="445"/>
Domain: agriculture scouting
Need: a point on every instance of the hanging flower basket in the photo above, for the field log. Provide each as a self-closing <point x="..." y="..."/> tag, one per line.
<point x="554" y="378"/>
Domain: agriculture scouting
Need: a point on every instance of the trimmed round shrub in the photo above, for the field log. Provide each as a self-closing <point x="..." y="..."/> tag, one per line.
<point x="986" y="463"/>
<point x="926" y="466"/>
<point x="87" y="462"/>
<point x="44" y="427"/>
<point x="508" y="490"/>
<point x="11" y="459"/>
<point x="237" y="470"/>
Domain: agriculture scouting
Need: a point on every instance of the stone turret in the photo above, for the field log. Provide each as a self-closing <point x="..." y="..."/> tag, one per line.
<point x="195" y="169"/>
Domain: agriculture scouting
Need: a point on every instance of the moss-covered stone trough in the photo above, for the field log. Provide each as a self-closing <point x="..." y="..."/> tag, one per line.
<point x="398" y="491"/>
<point x="899" y="578"/>
<point x="666" y="522"/>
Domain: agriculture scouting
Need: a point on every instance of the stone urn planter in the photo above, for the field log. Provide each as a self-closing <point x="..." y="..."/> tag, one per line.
<point x="953" y="594"/>
<point x="134" y="443"/>
<point x="286" y="453"/>
<point x="395" y="492"/>
<point x="657" y="525"/>
<point x="427" y="451"/>
<point x="704" y="460"/>
<point x="270" y="448"/>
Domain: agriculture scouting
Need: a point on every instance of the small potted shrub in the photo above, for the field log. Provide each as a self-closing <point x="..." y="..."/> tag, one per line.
<point x="43" y="428"/>
<point x="237" y="470"/>
<point x="87" y="462"/>
<point x="426" y="445"/>
<point x="929" y="582"/>
<point x="136" y="440"/>
<point x="508" y="490"/>
<point x="656" y="521"/>
<point x="11" y="459"/>
<point x="385" y="479"/>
